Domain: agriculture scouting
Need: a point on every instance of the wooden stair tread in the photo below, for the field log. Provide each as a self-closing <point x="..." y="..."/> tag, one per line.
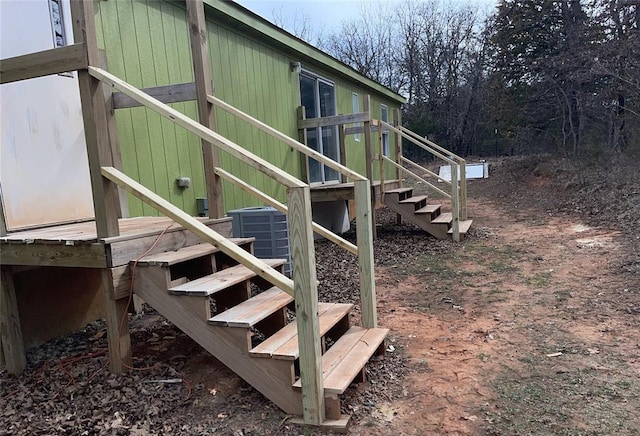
<point x="220" y="280"/>
<point x="284" y="343"/>
<point x="443" y="218"/>
<point x="346" y="358"/>
<point x="398" y="190"/>
<point x="254" y="310"/>
<point x="429" y="208"/>
<point x="413" y="200"/>
<point x="169" y="258"/>
<point x="464" y="226"/>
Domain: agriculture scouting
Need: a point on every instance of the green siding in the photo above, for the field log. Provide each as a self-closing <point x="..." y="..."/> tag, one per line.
<point x="147" y="44"/>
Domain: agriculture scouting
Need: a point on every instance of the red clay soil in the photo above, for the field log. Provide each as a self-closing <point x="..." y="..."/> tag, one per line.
<point x="530" y="326"/>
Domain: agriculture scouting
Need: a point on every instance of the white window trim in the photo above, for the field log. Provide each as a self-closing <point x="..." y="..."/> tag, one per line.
<point x="386" y="149"/>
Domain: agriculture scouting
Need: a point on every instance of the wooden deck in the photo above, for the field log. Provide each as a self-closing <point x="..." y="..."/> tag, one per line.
<point x="344" y="191"/>
<point x="77" y="244"/>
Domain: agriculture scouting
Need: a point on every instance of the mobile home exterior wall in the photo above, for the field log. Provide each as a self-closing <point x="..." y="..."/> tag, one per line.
<point x="147" y="44"/>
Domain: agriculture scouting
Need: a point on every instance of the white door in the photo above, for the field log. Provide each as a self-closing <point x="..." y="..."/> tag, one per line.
<point x="44" y="173"/>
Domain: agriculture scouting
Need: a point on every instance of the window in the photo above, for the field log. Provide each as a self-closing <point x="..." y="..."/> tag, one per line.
<point x="356" y="109"/>
<point x="318" y="97"/>
<point x="57" y="27"/>
<point x="384" y="116"/>
<point x="57" y="23"/>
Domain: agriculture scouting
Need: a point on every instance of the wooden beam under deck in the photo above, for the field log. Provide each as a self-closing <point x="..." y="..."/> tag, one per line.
<point x="344" y="191"/>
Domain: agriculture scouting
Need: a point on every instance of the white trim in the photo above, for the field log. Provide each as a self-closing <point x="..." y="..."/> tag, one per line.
<point x="386" y="149"/>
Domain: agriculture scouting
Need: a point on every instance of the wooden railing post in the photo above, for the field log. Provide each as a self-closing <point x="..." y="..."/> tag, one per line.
<point x="397" y="122"/>
<point x="368" y="146"/>
<point x="204" y="87"/>
<point x="302" y="134"/>
<point x="368" y="154"/>
<point x="364" y="233"/>
<point x="455" y="202"/>
<point x="463" y="189"/>
<point x="306" y="299"/>
<point x="398" y="143"/>
<point x="380" y="162"/>
<point x="342" y="141"/>
<point x="105" y="193"/>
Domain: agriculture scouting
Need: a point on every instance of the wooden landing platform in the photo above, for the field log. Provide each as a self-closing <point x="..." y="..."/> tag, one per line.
<point x="58" y="278"/>
<point x="344" y="191"/>
<point x="77" y="244"/>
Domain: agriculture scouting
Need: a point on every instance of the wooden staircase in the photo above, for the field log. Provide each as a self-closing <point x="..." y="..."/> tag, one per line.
<point x="428" y="217"/>
<point x="246" y="323"/>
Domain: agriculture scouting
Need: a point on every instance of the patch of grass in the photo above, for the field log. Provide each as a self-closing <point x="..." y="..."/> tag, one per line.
<point x="501" y="267"/>
<point x="581" y="401"/>
<point x="539" y="280"/>
<point x="443" y="266"/>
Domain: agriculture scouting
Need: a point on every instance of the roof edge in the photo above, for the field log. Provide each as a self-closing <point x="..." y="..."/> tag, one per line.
<point x="296" y="45"/>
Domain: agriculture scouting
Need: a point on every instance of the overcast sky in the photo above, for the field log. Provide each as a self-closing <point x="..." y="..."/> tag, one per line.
<point x="326" y="15"/>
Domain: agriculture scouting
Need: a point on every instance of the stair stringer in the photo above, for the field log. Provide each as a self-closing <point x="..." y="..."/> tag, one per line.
<point x="423" y="221"/>
<point x="230" y="345"/>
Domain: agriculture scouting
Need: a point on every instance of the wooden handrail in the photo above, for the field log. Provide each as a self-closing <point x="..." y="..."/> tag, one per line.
<point x="421" y="168"/>
<point x="205" y="233"/>
<point x="202" y="132"/>
<point x="296" y="145"/>
<point x="427" y="145"/>
<point x="43" y="63"/>
<point x="333" y="120"/>
<point x="414" y="175"/>
<point x="322" y="231"/>
<point x="416" y="142"/>
<point x="432" y="144"/>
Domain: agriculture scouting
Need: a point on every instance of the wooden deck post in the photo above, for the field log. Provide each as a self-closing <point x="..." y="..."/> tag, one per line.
<point x="398" y="143"/>
<point x="368" y="155"/>
<point x="306" y="299"/>
<point x="342" y="137"/>
<point x="463" y="189"/>
<point x="397" y="122"/>
<point x="116" y="156"/>
<point x="364" y="234"/>
<point x="302" y="134"/>
<point x="455" y="202"/>
<point x="105" y="193"/>
<point x="96" y="130"/>
<point x="206" y="111"/>
<point x="380" y="163"/>
<point x="12" y="354"/>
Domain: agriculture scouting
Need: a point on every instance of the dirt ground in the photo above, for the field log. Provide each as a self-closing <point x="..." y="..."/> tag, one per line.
<point x="530" y="326"/>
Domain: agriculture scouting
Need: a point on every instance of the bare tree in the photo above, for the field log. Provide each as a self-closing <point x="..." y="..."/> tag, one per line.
<point x="370" y="45"/>
<point x="300" y="25"/>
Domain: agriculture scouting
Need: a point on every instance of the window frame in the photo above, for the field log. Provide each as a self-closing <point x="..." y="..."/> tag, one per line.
<point x="384" y="116"/>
